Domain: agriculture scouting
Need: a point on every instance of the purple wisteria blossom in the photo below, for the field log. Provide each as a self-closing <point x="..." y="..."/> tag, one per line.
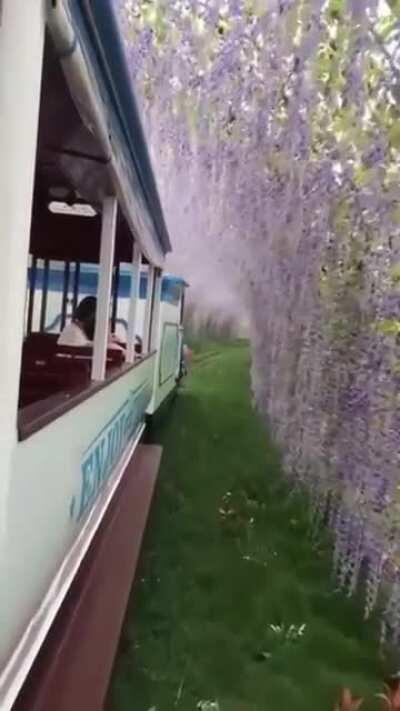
<point x="275" y="130"/>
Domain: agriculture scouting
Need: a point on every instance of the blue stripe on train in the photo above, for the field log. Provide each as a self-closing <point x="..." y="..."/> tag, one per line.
<point x="171" y="287"/>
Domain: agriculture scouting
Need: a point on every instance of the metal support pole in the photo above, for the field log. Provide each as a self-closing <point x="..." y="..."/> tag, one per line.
<point x="75" y="297"/>
<point x="45" y="291"/>
<point x="31" y="302"/>
<point x="107" y="246"/>
<point x="115" y="290"/>
<point x="155" y="320"/>
<point x="133" y="305"/>
<point x="65" y="295"/>
<point x="148" y="309"/>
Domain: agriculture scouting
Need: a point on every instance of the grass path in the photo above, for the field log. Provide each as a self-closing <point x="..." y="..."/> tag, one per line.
<point x="227" y="555"/>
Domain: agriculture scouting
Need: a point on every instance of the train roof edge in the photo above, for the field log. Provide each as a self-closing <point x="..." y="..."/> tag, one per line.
<point x="95" y="29"/>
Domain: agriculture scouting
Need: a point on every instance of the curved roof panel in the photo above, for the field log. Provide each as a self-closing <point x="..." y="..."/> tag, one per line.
<point x="97" y="31"/>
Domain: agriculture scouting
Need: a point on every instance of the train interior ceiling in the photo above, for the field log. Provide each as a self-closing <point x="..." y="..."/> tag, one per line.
<point x="71" y="180"/>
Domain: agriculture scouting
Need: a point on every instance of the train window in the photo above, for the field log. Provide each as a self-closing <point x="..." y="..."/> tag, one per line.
<point x="72" y="183"/>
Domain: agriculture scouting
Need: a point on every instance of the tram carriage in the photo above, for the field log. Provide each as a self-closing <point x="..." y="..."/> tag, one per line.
<point x="80" y="214"/>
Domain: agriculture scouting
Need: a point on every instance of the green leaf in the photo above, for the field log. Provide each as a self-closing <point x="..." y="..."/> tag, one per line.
<point x="335" y="9"/>
<point x="394" y="135"/>
<point x="364" y="176"/>
<point x="386" y="25"/>
<point x="394" y="6"/>
<point x="395" y="270"/>
<point x="389" y="327"/>
<point x="341" y="215"/>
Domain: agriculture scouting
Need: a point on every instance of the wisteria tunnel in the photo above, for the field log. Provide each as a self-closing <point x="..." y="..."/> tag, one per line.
<point x="275" y="130"/>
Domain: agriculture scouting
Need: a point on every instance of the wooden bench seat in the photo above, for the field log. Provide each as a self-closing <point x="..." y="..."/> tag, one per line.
<point x="48" y="368"/>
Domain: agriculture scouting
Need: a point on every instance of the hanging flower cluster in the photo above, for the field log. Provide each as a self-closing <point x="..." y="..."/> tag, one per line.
<point x="275" y="128"/>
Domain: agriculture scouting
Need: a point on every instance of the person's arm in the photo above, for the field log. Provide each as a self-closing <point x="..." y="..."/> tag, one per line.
<point x="114" y="343"/>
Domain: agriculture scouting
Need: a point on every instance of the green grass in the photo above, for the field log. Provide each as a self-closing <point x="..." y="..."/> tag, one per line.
<point x="218" y="569"/>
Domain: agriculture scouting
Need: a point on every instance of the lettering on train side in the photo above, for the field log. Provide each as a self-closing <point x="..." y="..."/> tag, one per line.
<point x="105" y="450"/>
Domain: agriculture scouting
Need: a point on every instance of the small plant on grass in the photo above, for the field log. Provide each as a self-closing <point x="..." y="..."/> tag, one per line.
<point x="291" y="633"/>
<point x="208" y="706"/>
<point x="348" y="702"/>
<point x="390" y="698"/>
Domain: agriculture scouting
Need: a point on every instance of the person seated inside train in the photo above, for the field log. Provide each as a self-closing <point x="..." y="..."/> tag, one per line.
<point x="80" y="332"/>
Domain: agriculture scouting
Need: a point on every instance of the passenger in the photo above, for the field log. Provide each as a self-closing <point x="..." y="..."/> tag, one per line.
<point x="80" y="332"/>
<point x="114" y="343"/>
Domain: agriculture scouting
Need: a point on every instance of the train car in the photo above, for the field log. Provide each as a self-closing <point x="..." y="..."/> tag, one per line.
<point x="59" y="284"/>
<point x="80" y="216"/>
